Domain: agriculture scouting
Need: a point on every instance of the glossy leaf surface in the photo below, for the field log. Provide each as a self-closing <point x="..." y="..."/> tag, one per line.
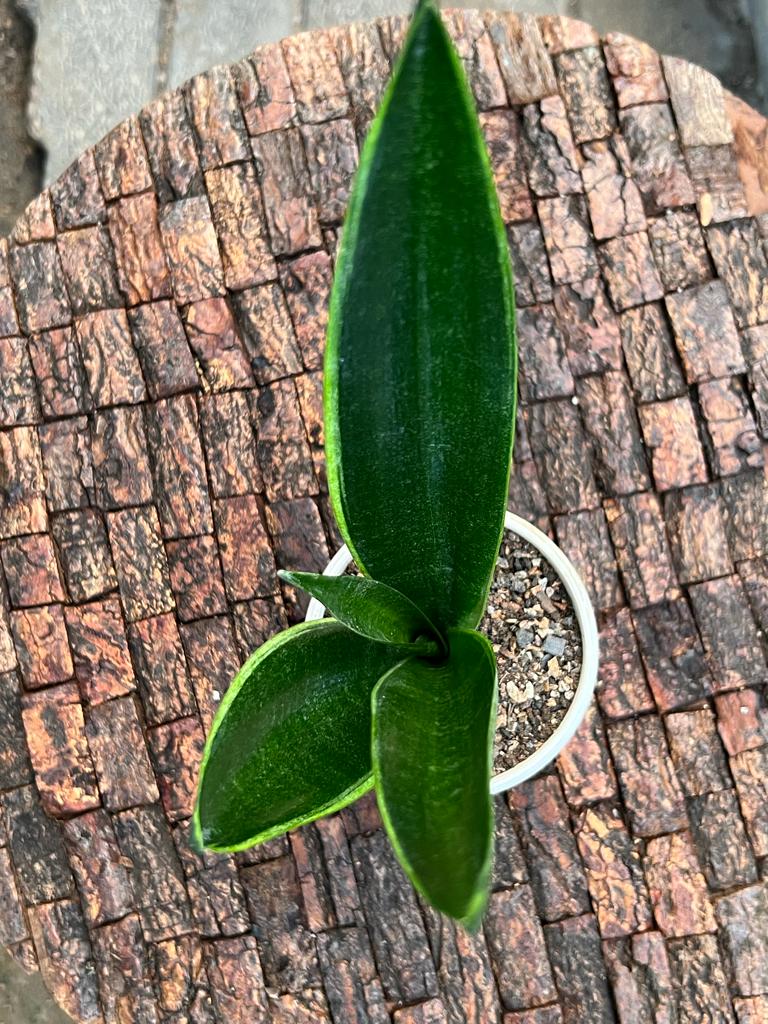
<point x="292" y="738"/>
<point x="420" y="374"/>
<point x="370" y="608"/>
<point x="432" y="732"/>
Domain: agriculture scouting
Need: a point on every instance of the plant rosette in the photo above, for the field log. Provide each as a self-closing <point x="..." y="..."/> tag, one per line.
<point x="398" y="689"/>
<point x="585" y="617"/>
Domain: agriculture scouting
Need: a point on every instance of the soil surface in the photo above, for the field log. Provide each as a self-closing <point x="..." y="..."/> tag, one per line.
<point x="533" y="628"/>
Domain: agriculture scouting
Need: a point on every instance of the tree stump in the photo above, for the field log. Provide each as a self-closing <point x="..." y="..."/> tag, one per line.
<point x="162" y="316"/>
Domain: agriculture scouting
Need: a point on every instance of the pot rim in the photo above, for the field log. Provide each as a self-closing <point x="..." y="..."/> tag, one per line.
<point x="585" y="616"/>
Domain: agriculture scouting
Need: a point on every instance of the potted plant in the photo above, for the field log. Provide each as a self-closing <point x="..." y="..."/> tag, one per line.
<point x="398" y="689"/>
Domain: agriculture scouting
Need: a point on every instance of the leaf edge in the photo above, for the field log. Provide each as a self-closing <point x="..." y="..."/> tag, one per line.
<point x="472" y="919"/>
<point x="345" y="798"/>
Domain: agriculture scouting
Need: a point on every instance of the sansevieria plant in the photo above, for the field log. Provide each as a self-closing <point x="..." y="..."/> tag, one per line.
<point x="397" y="689"/>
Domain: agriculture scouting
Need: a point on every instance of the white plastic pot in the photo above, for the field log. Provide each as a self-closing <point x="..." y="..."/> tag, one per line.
<point x="585" y="616"/>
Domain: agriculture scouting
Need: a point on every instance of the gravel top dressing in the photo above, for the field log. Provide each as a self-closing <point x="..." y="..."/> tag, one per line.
<point x="533" y="628"/>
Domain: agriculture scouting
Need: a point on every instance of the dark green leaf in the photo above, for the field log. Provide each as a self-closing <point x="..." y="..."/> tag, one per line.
<point x="292" y="738"/>
<point x="420" y="373"/>
<point x="433" y="729"/>
<point x="371" y="609"/>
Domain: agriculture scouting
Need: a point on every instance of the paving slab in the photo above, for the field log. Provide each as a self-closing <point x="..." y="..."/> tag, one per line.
<point x="758" y="10"/>
<point x="95" y="63"/>
<point x="323" y="13"/>
<point x="206" y="33"/>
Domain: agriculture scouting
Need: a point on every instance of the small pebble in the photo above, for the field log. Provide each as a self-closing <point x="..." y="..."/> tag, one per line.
<point x="524" y="638"/>
<point x="554" y="645"/>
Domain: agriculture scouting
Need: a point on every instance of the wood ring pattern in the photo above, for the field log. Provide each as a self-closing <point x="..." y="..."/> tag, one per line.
<point x="162" y="310"/>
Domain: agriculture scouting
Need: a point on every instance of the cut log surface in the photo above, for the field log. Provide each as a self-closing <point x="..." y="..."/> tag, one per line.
<point x="162" y="317"/>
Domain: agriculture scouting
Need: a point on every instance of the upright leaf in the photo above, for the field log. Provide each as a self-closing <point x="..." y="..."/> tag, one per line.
<point x="292" y="738"/>
<point x="371" y="609"/>
<point x="420" y="373"/>
<point x="432" y="732"/>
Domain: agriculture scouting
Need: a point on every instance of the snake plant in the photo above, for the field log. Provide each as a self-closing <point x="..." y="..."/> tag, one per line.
<point x="397" y="689"/>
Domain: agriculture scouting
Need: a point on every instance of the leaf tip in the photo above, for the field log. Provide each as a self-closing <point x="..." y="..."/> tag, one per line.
<point x="473" y="920"/>
<point x="471" y="925"/>
<point x="196" y="840"/>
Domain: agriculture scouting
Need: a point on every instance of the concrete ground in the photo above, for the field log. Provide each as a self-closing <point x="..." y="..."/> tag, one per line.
<point x="71" y="69"/>
<point x="23" y="1000"/>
